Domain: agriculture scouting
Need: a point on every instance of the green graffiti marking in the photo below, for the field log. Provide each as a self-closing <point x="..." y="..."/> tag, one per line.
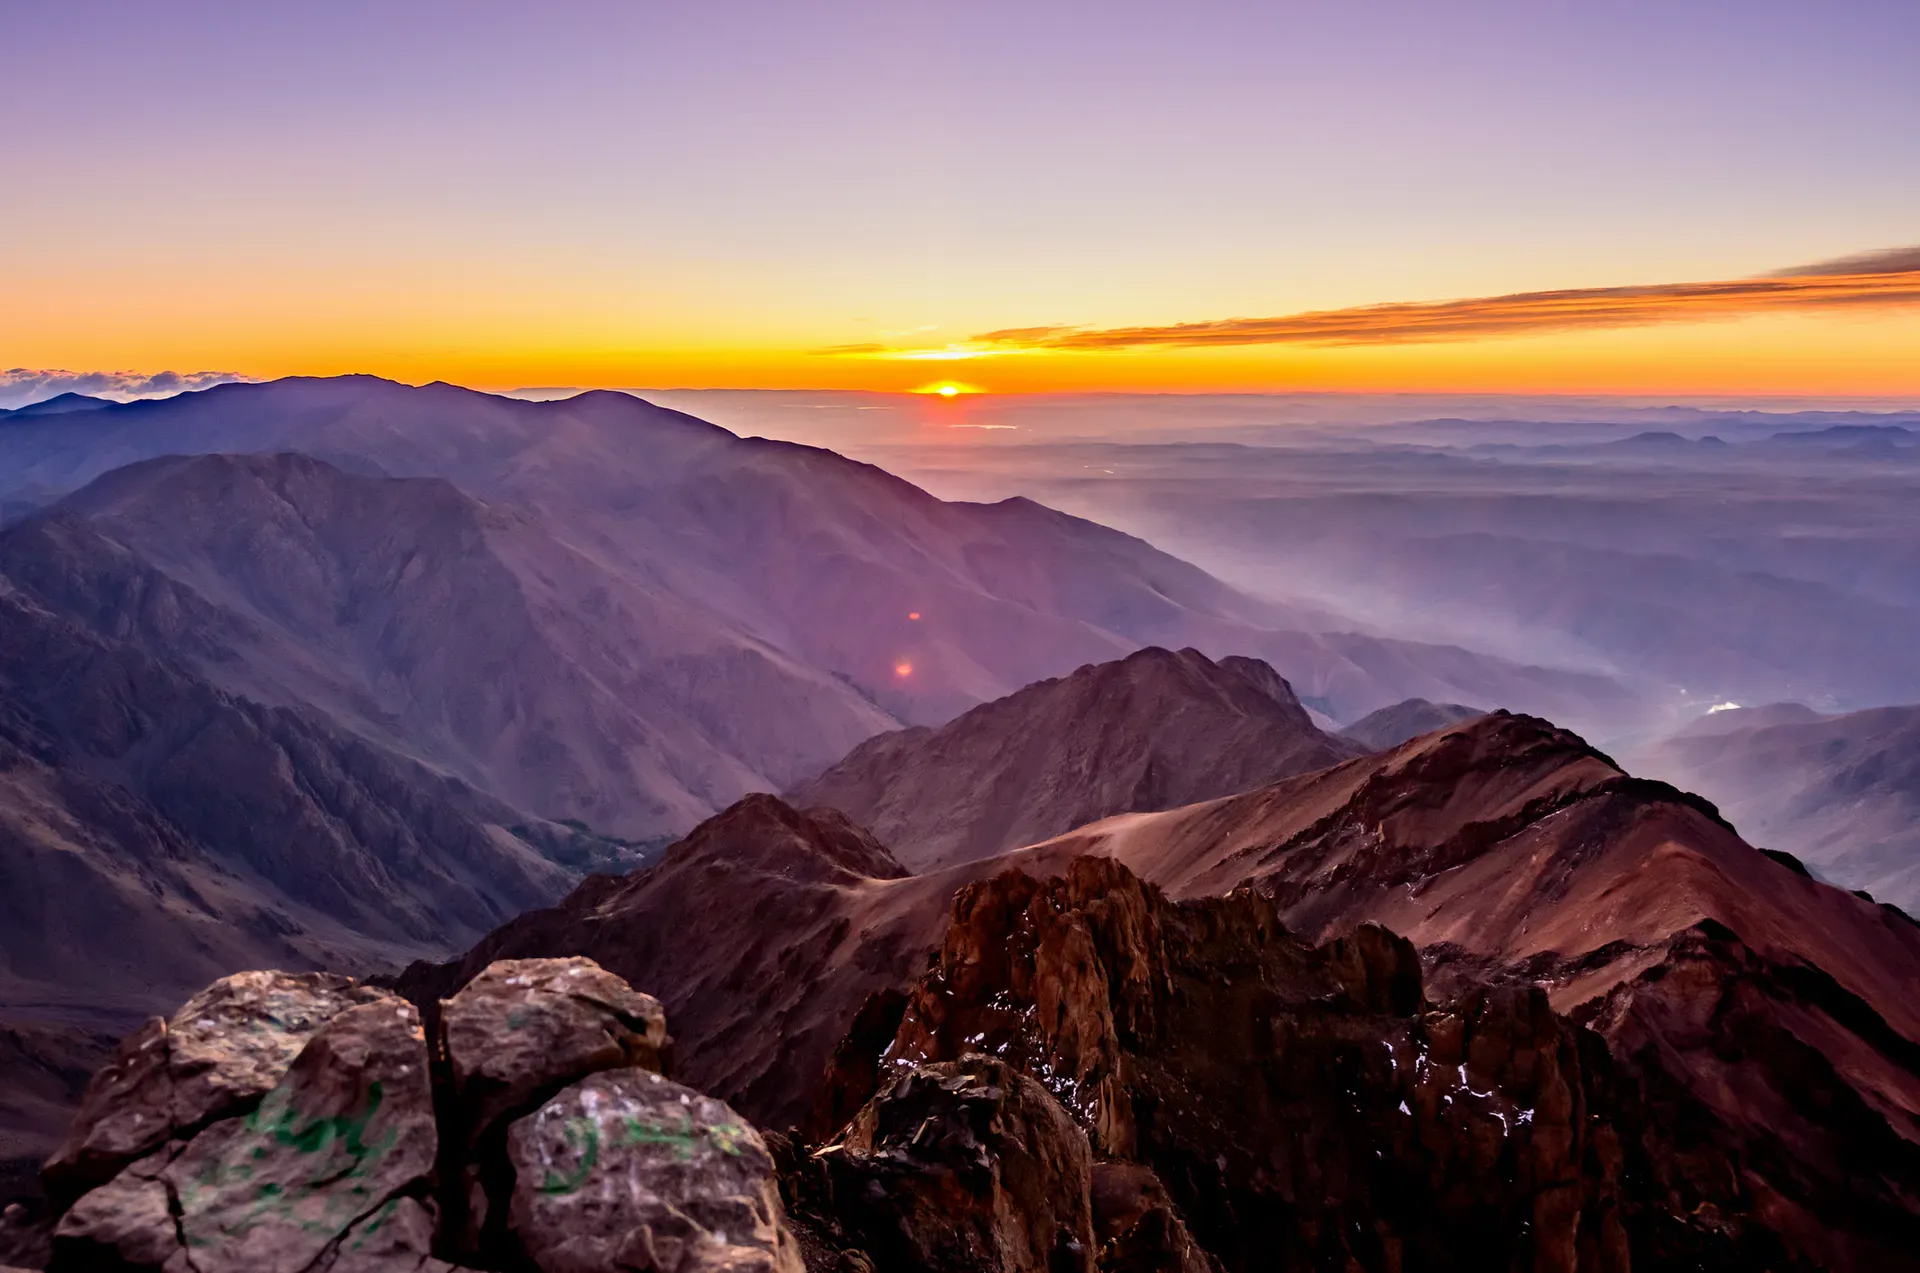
<point x="638" y="1131"/>
<point x="583" y="1138"/>
<point x="728" y="1138"/>
<point x="277" y="1123"/>
<point x="282" y="1122"/>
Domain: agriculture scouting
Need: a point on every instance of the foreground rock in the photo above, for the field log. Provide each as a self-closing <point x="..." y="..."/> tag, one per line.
<point x="966" y="1166"/>
<point x="517" y="1034"/>
<point x="319" y="1169"/>
<point x="1303" y="1107"/>
<point x="306" y="1125"/>
<point x="628" y="1170"/>
<point x="216" y="1057"/>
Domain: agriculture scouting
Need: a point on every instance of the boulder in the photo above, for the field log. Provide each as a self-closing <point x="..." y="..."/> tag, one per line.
<point x="513" y="1037"/>
<point x="326" y="1159"/>
<point x="524" y="1028"/>
<point x="966" y="1166"/>
<point x="628" y="1170"/>
<point x="220" y="1053"/>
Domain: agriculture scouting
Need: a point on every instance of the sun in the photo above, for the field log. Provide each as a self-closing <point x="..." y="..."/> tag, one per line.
<point x="947" y="389"/>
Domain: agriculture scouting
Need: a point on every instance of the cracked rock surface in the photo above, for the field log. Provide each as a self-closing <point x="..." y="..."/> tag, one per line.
<point x="223" y="1051"/>
<point x="313" y="1176"/>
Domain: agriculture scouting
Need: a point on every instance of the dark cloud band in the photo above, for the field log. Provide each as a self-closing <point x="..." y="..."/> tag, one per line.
<point x="1878" y="280"/>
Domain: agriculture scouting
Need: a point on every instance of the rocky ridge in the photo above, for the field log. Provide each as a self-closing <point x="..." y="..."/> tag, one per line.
<point x="1154" y="730"/>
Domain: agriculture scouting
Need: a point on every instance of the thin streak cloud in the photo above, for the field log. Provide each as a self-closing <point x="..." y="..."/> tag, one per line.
<point x="1886" y="279"/>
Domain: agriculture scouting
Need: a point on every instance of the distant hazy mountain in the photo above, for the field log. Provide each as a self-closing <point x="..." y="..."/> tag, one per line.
<point x="1151" y="731"/>
<point x="918" y="607"/>
<point x="450" y="629"/>
<point x="59" y="404"/>
<point x="1841" y="793"/>
<point x="1391" y="726"/>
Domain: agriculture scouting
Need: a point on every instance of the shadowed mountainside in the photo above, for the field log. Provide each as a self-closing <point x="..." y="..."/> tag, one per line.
<point x="791" y="547"/>
<point x="157" y="831"/>
<point x="1151" y="731"/>
<point x="1395" y="724"/>
<point x="1841" y="793"/>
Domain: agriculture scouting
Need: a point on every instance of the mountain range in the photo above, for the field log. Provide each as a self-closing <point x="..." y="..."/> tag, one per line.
<point x="1768" y="1015"/>
<point x="348" y="675"/>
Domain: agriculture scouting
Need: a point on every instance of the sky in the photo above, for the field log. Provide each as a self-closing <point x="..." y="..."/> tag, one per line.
<point x="1529" y="196"/>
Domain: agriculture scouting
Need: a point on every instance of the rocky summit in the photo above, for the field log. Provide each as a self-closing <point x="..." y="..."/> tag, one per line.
<point x="1088" y="1077"/>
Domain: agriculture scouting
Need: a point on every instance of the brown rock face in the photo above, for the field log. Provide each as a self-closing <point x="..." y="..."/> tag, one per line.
<point x="965" y="1166"/>
<point x="1303" y="1106"/>
<point x="325" y="1160"/>
<point x="1137" y="1226"/>
<point x="627" y="1170"/>
<point x="218" y="1056"/>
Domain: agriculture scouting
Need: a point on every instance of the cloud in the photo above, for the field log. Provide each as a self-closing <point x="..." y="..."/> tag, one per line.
<point x="1885" y="261"/>
<point x="23" y="385"/>
<point x="1886" y="279"/>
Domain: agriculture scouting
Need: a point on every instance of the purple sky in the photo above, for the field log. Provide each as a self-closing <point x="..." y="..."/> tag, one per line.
<point x="761" y="175"/>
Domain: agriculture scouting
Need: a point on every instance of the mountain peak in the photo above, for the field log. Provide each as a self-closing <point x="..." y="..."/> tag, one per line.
<point x="1155" y="729"/>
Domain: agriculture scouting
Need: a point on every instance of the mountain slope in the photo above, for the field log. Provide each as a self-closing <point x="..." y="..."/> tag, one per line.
<point x="1395" y="724"/>
<point x="1841" y="793"/>
<point x="793" y="547"/>
<point x="1767" y="1016"/>
<point x="444" y="627"/>
<point x="157" y="832"/>
<point x="1151" y="731"/>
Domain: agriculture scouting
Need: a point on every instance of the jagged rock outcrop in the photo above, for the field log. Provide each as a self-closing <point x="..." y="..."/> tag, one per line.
<point x="965" y="1166"/>
<point x="1513" y="853"/>
<point x="307" y="1124"/>
<point x="1304" y="1106"/>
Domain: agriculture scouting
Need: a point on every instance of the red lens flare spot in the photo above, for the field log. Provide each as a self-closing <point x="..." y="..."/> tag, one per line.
<point x="914" y="615"/>
<point x="903" y="669"/>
